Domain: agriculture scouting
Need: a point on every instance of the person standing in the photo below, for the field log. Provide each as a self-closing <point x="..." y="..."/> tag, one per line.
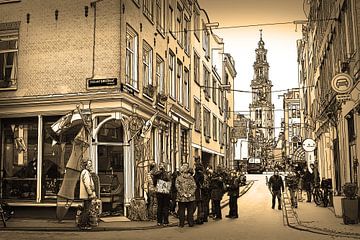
<point x="151" y="192"/>
<point x="276" y="186"/>
<point x="173" y="193"/>
<point x="87" y="193"/>
<point x="217" y="191"/>
<point x="185" y="186"/>
<point x="233" y="192"/>
<point x="308" y="183"/>
<point x="199" y="180"/>
<point x="206" y="193"/>
<point x="162" y="185"/>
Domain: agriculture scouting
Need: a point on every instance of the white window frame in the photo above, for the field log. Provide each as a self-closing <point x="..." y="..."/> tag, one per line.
<point x="179" y="81"/>
<point x="160" y="80"/>
<point x="186" y="88"/>
<point x="147" y="64"/>
<point x="160" y="16"/>
<point x="172" y="79"/>
<point x="131" y="62"/>
<point x="148" y="8"/>
<point x="9" y="81"/>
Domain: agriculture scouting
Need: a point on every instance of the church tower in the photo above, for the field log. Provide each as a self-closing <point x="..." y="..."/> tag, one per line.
<point x="261" y="133"/>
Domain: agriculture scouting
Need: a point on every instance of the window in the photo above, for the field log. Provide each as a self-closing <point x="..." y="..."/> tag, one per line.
<point x="171" y="20"/>
<point x="196" y="68"/>
<point x="196" y="22"/>
<point x="186" y="88"/>
<point x="8" y="59"/>
<point x="205" y="41"/>
<point x="131" y="57"/>
<point x="207" y="124"/>
<point x="197" y="115"/>
<point x="214" y="84"/>
<point x="184" y="145"/>
<point x="160" y="15"/>
<point x="147" y="64"/>
<point x="179" y="25"/>
<point x="148" y="8"/>
<point x="187" y="35"/>
<point x="214" y="127"/>
<point x="160" y="74"/>
<point x="206" y="82"/>
<point x="172" y="75"/>
<point x="179" y="81"/>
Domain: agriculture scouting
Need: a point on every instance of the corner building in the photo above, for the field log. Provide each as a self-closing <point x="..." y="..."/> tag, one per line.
<point x="122" y="61"/>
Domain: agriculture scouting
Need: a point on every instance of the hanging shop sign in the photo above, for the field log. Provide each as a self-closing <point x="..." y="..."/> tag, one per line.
<point x="102" y="82"/>
<point x="309" y="145"/>
<point x="342" y="83"/>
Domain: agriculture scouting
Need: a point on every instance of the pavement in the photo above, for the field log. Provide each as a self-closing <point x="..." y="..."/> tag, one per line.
<point x="317" y="219"/>
<point x="117" y="224"/>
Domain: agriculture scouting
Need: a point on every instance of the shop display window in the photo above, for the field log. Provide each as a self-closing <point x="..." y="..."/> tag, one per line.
<point x="19" y="160"/>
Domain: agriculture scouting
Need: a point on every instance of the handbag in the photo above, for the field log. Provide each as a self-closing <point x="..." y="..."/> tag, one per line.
<point x="163" y="186"/>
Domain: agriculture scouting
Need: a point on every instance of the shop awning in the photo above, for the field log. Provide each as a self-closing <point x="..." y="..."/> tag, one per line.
<point x="299" y="155"/>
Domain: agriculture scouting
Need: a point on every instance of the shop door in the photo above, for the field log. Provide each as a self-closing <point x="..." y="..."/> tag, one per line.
<point x="110" y="155"/>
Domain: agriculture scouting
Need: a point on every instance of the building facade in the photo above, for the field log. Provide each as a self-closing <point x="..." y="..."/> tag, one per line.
<point x="123" y="62"/>
<point x="328" y="48"/>
<point x="261" y="134"/>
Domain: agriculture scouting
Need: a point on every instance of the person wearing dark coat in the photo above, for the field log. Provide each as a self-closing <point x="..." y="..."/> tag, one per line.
<point x="199" y="180"/>
<point x="173" y="193"/>
<point x="233" y="192"/>
<point x="308" y="183"/>
<point x="217" y="192"/>
<point x="206" y="193"/>
<point x="162" y="194"/>
<point x="276" y="186"/>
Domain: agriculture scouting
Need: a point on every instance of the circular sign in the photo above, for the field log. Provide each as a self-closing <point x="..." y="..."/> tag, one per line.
<point x="342" y="83"/>
<point x="309" y="145"/>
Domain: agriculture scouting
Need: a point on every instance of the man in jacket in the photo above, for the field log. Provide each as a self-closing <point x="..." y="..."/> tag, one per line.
<point x="199" y="180"/>
<point x="233" y="192"/>
<point x="308" y="181"/>
<point x="276" y="186"/>
<point x="217" y="191"/>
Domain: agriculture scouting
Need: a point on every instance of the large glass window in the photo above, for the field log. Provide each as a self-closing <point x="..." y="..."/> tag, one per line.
<point x="20" y="146"/>
<point x="8" y="58"/>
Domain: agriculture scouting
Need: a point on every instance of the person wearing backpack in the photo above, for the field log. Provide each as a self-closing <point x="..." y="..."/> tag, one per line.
<point x="162" y="183"/>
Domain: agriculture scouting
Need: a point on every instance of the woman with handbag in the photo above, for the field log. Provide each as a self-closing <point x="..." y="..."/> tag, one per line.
<point x="162" y="185"/>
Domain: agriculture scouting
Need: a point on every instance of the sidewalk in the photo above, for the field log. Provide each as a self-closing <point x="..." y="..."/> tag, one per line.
<point x="317" y="219"/>
<point x="108" y="223"/>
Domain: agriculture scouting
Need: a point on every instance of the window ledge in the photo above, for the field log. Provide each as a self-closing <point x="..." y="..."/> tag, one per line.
<point x="9" y="1"/>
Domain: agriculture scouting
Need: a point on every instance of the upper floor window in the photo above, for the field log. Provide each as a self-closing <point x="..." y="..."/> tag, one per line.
<point x="160" y="74"/>
<point x="172" y="75"/>
<point x="186" y="94"/>
<point x="197" y="115"/>
<point x="180" y="81"/>
<point x="171" y="20"/>
<point x="196" y="21"/>
<point x="131" y="65"/>
<point x="8" y="59"/>
<point x="205" y="41"/>
<point x="214" y="127"/>
<point x="207" y="125"/>
<point x="206" y="84"/>
<point x="196" y="68"/>
<point x="147" y="64"/>
<point x="214" y="84"/>
<point x="179" y="25"/>
<point x="160" y="15"/>
<point x="148" y="8"/>
<point x="186" y="34"/>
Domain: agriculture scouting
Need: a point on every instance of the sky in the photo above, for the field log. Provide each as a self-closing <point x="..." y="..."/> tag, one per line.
<point x="241" y="42"/>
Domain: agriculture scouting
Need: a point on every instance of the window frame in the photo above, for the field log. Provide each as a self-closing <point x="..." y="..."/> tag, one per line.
<point x="134" y="81"/>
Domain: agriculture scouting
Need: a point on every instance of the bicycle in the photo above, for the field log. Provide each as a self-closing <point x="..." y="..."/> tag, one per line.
<point x="322" y="192"/>
<point x="6" y="212"/>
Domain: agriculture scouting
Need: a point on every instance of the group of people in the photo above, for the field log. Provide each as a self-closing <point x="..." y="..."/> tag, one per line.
<point x="298" y="179"/>
<point x="191" y="190"/>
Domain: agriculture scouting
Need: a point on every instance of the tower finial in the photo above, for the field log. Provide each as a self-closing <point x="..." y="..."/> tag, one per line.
<point x="260" y="34"/>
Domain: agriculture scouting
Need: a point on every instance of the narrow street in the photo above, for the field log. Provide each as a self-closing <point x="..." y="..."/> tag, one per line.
<point x="256" y="221"/>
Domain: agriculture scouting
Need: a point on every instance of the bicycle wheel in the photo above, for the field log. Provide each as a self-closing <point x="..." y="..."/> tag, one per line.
<point x="317" y="197"/>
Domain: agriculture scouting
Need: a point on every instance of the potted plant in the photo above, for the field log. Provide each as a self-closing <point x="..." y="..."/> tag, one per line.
<point x="350" y="204"/>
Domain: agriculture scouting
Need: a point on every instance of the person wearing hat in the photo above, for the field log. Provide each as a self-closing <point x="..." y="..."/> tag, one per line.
<point x="185" y="186"/>
<point x="276" y="187"/>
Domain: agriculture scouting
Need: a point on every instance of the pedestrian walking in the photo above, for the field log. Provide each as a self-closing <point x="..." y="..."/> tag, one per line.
<point x="186" y="186"/>
<point x="162" y="185"/>
<point x="292" y="184"/>
<point x="217" y="191"/>
<point x="151" y="192"/>
<point x="276" y="187"/>
<point x="233" y="192"/>
<point x="87" y="194"/>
